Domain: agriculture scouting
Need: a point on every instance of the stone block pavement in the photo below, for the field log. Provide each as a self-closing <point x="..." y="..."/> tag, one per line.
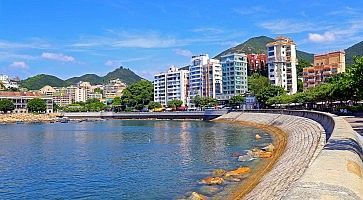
<point x="305" y="138"/>
<point x="311" y="167"/>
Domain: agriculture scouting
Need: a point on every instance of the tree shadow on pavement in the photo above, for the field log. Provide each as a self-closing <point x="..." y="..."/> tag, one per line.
<point x="345" y="144"/>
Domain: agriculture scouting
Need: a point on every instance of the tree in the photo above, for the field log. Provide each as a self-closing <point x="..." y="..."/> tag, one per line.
<point x="300" y="66"/>
<point x="6" y="105"/>
<point x="175" y="103"/>
<point x="153" y="105"/>
<point x="56" y="107"/>
<point x="268" y="92"/>
<point x="236" y="100"/>
<point x="37" y="105"/>
<point x="98" y="91"/>
<point x="256" y="83"/>
<point x="356" y="76"/>
<point x="2" y="86"/>
<point x="138" y="94"/>
<point x="94" y="105"/>
<point x="197" y="100"/>
<point x="116" y="101"/>
<point x="300" y="85"/>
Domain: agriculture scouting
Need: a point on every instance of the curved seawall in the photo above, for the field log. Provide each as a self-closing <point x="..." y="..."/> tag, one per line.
<point x="322" y="159"/>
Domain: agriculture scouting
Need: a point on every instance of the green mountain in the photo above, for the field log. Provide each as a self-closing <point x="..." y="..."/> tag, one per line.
<point x="355" y="50"/>
<point x="92" y="78"/>
<point x="258" y="45"/>
<point x="39" y="81"/>
<point x="126" y="75"/>
<point x="301" y="55"/>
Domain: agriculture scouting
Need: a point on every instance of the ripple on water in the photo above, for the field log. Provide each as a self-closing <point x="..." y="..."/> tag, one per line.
<point x="118" y="159"/>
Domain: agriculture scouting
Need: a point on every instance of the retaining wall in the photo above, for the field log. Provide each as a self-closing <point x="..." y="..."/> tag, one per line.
<point x="336" y="172"/>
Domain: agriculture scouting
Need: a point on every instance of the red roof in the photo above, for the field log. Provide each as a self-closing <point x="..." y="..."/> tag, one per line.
<point x="20" y="94"/>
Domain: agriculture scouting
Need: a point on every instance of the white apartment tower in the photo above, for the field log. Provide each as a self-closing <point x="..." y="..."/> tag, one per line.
<point x="171" y="85"/>
<point x="234" y="73"/>
<point x="205" y="77"/>
<point x="282" y="63"/>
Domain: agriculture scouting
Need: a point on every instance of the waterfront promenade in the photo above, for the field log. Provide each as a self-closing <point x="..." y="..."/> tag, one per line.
<point x="356" y="122"/>
<point x="312" y="166"/>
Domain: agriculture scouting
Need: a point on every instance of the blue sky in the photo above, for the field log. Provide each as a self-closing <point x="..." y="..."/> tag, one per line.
<point x="73" y="37"/>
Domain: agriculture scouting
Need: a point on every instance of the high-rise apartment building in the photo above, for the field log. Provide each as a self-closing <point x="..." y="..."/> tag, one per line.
<point x="205" y="77"/>
<point x="234" y="74"/>
<point x="171" y="85"/>
<point x="282" y="61"/>
<point x="325" y="66"/>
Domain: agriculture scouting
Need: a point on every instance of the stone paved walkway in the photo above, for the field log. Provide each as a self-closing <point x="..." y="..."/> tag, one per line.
<point x="305" y="140"/>
<point x="356" y="123"/>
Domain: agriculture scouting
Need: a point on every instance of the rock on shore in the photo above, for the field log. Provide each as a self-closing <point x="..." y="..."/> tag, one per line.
<point x="196" y="196"/>
<point x="27" y="118"/>
<point x="238" y="172"/>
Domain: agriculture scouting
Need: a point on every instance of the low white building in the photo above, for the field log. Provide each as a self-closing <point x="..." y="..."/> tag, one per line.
<point x="171" y="85"/>
<point x="20" y="100"/>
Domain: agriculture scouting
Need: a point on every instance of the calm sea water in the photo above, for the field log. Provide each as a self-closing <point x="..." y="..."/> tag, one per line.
<point x="116" y="159"/>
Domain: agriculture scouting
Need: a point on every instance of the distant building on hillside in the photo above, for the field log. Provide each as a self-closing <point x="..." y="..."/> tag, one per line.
<point x="205" y="77"/>
<point x="325" y="66"/>
<point x="171" y="85"/>
<point x="48" y="90"/>
<point x="257" y="63"/>
<point x="282" y="63"/>
<point x="113" y="89"/>
<point x="234" y="75"/>
<point x="59" y="95"/>
<point x="20" y="100"/>
<point x="8" y="82"/>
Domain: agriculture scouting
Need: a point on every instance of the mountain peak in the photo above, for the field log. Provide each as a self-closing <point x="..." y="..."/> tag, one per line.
<point x="258" y="45"/>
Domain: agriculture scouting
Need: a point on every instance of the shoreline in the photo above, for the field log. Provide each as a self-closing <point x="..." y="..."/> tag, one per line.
<point x="279" y="140"/>
<point x="27" y="118"/>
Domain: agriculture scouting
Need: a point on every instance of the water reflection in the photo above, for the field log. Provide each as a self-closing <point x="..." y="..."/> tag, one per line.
<point x="120" y="159"/>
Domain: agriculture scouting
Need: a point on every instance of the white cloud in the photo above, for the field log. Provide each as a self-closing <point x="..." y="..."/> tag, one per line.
<point x="118" y="63"/>
<point x="19" y="65"/>
<point x="255" y="10"/>
<point x="319" y="38"/>
<point x="34" y="43"/>
<point x="15" y="56"/>
<point x="113" y="63"/>
<point x="57" y="57"/>
<point x="183" y="52"/>
<point x="153" y="39"/>
<point x="209" y="30"/>
<point x="123" y="39"/>
<point x="283" y="26"/>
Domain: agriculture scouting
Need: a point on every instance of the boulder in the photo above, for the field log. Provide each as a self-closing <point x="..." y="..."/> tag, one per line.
<point x="196" y="196"/>
<point x="258" y="137"/>
<point x="269" y="148"/>
<point x="213" y="181"/>
<point x="262" y="154"/>
<point x="209" y="190"/>
<point x="244" y="158"/>
<point x="219" y="172"/>
<point x="238" y="172"/>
